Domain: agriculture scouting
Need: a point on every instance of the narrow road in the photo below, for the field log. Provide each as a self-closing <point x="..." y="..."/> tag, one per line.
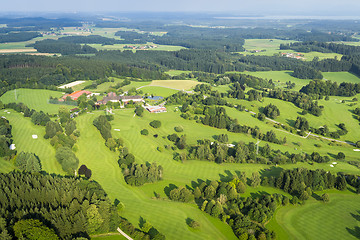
<point x="124" y="234"/>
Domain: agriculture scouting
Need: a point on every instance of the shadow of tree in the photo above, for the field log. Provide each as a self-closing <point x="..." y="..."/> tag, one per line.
<point x="168" y="189"/>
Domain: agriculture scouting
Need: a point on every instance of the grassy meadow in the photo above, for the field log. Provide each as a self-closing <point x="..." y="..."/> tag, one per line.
<point x="338" y="219"/>
<point x="34" y="98"/>
<point x="175" y="84"/>
<point x="272" y="46"/>
<point x="167" y="216"/>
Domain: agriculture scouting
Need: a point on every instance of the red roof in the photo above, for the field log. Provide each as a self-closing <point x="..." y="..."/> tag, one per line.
<point x="77" y="94"/>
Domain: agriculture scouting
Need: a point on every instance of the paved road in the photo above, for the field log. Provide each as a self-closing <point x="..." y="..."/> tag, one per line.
<point x="124" y="234"/>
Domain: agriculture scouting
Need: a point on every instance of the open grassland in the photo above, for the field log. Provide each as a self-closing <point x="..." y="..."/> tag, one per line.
<point x="280" y="78"/>
<point x="158" y="91"/>
<point x="340" y="77"/>
<point x="22" y="131"/>
<point x="34" y="98"/>
<point x="334" y="113"/>
<point x="338" y="219"/>
<point x="270" y="47"/>
<point x="176" y="84"/>
<point x="168" y="217"/>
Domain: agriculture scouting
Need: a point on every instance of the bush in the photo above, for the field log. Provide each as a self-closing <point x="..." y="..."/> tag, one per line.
<point x="155" y="124"/>
<point x="144" y="132"/>
<point x="178" y="129"/>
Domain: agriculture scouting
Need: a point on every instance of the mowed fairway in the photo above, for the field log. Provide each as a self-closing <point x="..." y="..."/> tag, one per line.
<point x="34" y="98"/>
<point x="338" y="219"/>
<point x="22" y="131"/>
<point x="168" y="217"/>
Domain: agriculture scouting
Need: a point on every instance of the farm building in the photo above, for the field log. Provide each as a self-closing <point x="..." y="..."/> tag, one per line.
<point x="110" y="97"/>
<point x="75" y="95"/>
<point x="155" y="109"/>
<point x="127" y="99"/>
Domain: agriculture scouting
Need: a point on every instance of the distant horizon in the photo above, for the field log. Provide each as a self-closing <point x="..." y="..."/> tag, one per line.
<point x="261" y="7"/>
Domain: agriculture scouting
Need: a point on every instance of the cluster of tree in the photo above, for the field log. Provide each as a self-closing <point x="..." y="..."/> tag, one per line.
<point x="223" y="200"/>
<point x="301" y="182"/>
<point x="103" y="125"/>
<point x="186" y="59"/>
<point x="63" y="132"/>
<point x="25" y="71"/>
<point x="146" y="232"/>
<point x="38" y="118"/>
<point x="67" y="159"/>
<point x="180" y="142"/>
<point x="279" y="63"/>
<point x="84" y="170"/>
<point x="271" y="111"/>
<point x="243" y="80"/>
<point x="329" y="88"/>
<point x="240" y="152"/>
<point x="324" y="130"/>
<point x="62" y="47"/>
<point x="217" y="117"/>
<point x="28" y="162"/>
<point x="5" y="137"/>
<point x="138" y="174"/>
<point x="324" y="47"/>
<point x="302" y="124"/>
<point x="39" y="206"/>
<point x="90" y="39"/>
<point x="305" y="72"/>
<point x="155" y="124"/>
<point x="18" y="36"/>
<point x="300" y="100"/>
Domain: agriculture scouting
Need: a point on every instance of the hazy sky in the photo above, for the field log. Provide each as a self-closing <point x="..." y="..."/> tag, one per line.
<point x="286" y="7"/>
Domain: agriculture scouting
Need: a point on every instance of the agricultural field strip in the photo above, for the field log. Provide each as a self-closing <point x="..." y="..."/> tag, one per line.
<point x="72" y="84"/>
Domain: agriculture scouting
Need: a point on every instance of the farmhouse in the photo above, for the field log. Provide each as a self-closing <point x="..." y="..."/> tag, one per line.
<point x="156" y="109"/>
<point x="127" y="99"/>
<point x="75" y="95"/>
<point x="110" y="97"/>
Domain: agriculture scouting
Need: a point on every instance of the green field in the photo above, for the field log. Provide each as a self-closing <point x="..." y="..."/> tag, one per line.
<point x="176" y="72"/>
<point x="272" y="46"/>
<point x="167" y="216"/>
<point x="34" y="98"/>
<point x="158" y="91"/>
<point x="338" y="219"/>
<point x="176" y="84"/>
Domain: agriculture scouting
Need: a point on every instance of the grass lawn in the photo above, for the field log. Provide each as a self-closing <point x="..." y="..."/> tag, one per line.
<point x="176" y="84"/>
<point x="338" y="219"/>
<point x="280" y="78"/>
<point x="34" y="98"/>
<point x="22" y="131"/>
<point x="340" y="77"/>
<point x="158" y="91"/>
<point x="272" y="46"/>
<point x="176" y="72"/>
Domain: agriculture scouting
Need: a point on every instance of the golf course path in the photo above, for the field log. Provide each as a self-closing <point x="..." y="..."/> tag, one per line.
<point x="124" y="234"/>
